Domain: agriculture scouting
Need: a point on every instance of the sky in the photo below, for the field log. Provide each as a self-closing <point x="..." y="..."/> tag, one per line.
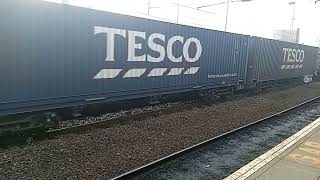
<point x="256" y="17"/>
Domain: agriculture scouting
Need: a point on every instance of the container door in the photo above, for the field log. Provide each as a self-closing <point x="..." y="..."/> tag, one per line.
<point x="252" y="49"/>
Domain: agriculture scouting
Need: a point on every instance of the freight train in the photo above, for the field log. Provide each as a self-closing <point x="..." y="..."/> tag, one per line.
<point x="55" y="56"/>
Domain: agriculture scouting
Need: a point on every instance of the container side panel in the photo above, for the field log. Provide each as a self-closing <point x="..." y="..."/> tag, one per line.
<point x="272" y="59"/>
<point x="55" y="55"/>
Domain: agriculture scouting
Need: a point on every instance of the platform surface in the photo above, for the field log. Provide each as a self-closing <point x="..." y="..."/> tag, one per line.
<point x="296" y="158"/>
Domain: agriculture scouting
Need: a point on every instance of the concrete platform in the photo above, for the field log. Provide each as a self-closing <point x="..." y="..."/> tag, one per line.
<point x="296" y="158"/>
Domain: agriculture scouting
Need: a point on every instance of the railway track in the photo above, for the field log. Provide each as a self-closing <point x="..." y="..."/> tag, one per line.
<point x="104" y="153"/>
<point x="151" y="111"/>
<point x="130" y="116"/>
<point x="177" y="164"/>
<point x="124" y="119"/>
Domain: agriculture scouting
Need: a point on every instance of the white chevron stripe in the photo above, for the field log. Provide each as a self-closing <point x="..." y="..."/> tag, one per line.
<point x="134" y="73"/>
<point x="175" y="71"/>
<point x="192" y="70"/>
<point x="293" y="66"/>
<point x="157" y="72"/>
<point x="107" y="74"/>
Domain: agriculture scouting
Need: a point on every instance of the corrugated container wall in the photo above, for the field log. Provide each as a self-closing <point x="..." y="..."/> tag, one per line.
<point x="273" y="59"/>
<point x="318" y="61"/>
<point x="55" y="55"/>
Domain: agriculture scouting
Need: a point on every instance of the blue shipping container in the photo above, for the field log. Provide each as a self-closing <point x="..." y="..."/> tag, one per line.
<point x="54" y="55"/>
<point x="272" y="60"/>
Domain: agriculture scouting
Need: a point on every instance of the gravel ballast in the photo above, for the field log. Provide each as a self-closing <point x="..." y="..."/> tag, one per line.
<point x="107" y="152"/>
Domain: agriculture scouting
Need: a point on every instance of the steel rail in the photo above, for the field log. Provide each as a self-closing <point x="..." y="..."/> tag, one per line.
<point x="145" y="168"/>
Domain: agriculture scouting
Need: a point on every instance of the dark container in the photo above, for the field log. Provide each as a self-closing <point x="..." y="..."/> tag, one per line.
<point x="273" y="60"/>
<point x="55" y="55"/>
<point x="318" y="62"/>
